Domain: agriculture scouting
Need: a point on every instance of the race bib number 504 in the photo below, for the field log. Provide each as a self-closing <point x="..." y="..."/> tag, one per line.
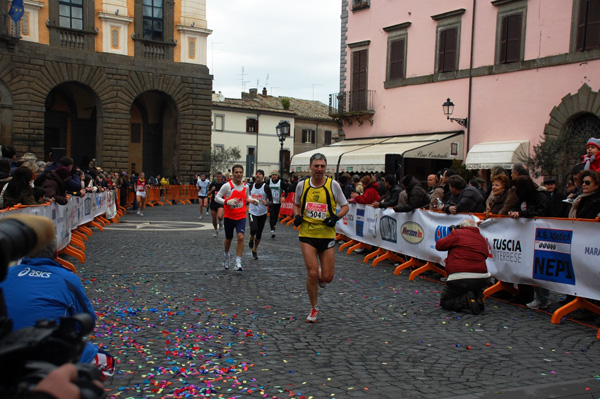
<point x="316" y="210"/>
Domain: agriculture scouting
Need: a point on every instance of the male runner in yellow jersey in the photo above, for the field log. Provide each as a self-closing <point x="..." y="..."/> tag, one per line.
<point x="315" y="212"/>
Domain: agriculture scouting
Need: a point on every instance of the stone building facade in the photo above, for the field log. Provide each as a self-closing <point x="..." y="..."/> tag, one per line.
<point x="109" y="90"/>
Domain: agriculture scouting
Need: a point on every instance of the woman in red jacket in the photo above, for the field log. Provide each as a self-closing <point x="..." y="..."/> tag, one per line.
<point x="371" y="193"/>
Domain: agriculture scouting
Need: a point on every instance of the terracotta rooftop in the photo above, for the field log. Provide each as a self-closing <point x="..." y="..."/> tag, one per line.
<point x="301" y="109"/>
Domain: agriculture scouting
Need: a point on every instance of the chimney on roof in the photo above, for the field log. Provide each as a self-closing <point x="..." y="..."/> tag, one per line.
<point x="264" y="93"/>
<point x="253" y="93"/>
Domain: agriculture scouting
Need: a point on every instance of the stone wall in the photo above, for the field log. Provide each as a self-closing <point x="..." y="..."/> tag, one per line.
<point x="31" y="71"/>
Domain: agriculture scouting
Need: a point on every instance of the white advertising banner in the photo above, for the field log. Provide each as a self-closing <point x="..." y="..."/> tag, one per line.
<point x="561" y="255"/>
<point x="76" y="212"/>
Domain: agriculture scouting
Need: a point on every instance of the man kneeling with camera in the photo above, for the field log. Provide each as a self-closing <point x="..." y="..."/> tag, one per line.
<point x="467" y="272"/>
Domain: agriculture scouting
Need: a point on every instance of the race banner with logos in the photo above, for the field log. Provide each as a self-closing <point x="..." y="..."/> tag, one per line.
<point x="76" y="212"/>
<point x="561" y="255"/>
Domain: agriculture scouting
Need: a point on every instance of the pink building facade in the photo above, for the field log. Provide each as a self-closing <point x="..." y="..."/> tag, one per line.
<point x="517" y="70"/>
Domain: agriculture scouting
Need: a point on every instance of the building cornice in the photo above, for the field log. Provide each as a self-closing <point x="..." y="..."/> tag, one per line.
<point x="402" y="26"/>
<point x="448" y="14"/>
<point x="115" y="17"/>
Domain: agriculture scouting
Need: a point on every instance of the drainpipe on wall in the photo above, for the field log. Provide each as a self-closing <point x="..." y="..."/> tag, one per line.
<point x="468" y="130"/>
<point x="256" y="151"/>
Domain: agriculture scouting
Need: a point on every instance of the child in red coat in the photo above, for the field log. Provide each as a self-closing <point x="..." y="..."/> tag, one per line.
<point x="592" y="158"/>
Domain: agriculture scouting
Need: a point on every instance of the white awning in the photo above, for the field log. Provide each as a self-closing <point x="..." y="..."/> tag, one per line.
<point x="430" y="146"/>
<point x="497" y="153"/>
<point x="300" y="162"/>
<point x="369" y="154"/>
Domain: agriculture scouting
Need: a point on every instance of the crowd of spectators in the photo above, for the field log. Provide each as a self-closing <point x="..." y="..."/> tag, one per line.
<point x="512" y="193"/>
<point x="27" y="180"/>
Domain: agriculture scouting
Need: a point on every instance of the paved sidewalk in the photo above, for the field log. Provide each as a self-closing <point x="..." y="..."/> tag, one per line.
<point x="181" y="326"/>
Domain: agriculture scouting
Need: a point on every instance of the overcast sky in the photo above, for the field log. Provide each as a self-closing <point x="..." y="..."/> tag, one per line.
<point x="295" y="43"/>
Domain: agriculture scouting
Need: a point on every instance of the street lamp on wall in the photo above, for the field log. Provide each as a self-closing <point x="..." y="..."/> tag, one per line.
<point x="283" y="130"/>
<point x="448" y="108"/>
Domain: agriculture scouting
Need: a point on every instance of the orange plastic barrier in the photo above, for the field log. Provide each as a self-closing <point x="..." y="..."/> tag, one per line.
<point x="153" y="196"/>
<point x="191" y="194"/>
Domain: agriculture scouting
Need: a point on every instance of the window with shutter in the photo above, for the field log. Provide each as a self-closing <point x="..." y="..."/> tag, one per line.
<point x="251" y="125"/>
<point x="510" y="38"/>
<point x="447" y="50"/>
<point x="359" y="80"/>
<point x="327" y="137"/>
<point x="396" y="67"/>
<point x="588" y="25"/>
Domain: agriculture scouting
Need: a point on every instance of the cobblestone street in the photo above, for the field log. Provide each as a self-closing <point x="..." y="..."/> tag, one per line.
<point x="182" y="326"/>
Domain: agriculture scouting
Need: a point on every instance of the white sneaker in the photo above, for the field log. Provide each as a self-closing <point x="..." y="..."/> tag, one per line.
<point x="272" y="233"/>
<point x="312" y="316"/>
<point x="206" y="213"/>
<point x="538" y="304"/>
<point x="215" y="233"/>
<point x="138" y="211"/>
<point x="141" y="213"/>
<point x="200" y="217"/>
<point x="238" y="265"/>
<point x="226" y="261"/>
<point x="221" y="225"/>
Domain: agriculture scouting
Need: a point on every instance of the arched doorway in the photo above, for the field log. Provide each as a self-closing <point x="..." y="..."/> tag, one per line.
<point x="153" y="135"/>
<point x="71" y="122"/>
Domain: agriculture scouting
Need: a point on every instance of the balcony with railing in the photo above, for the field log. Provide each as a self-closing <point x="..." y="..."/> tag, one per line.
<point x="76" y="39"/>
<point x="154" y="50"/>
<point x="9" y="31"/>
<point x="348" y="106"/>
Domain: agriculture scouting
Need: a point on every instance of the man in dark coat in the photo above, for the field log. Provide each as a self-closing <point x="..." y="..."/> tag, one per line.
<point x="416" y="195"/>
<point x="392" y="194"/>
<point x="464" y="198"/>
<point x="557" y="207"/>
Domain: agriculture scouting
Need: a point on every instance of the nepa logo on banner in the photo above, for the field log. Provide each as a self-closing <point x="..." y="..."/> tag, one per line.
<point x="412" y="232"/>
<point x="387" y="229"/>
<point x="360" y="222"/>
<point x="552" y="256"/>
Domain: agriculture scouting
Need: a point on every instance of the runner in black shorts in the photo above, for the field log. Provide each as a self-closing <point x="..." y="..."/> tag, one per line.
<point x="216" y="209"/>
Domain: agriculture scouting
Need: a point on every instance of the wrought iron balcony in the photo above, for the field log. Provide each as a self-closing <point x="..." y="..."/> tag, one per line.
<point x="349" y="105"/>
<point x="9" y="31"/>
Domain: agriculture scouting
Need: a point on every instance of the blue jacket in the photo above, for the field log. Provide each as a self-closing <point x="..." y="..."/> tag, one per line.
<point x="41" y="288"/>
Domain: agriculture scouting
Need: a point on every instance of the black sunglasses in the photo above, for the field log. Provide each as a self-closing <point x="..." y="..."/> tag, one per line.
<point x="587" y="183"/>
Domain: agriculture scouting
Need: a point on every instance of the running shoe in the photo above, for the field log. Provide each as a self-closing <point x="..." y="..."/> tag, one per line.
<point x="251" y="242"/>
<point x="272" y="233"/>
<point x="254" y="255"/>
<point x="221" y="225"/>
<point x="226" y="262"/>
<point x="238" y="265"/>
<point x="200" y="217"/>
<point x="138" y="211"/>
<point x="207" y="213"/>
<point x="141" y="213"/>
<point x="312" y="316"/>
<point x="537" y="303"/>
<point x="215" y="233"/>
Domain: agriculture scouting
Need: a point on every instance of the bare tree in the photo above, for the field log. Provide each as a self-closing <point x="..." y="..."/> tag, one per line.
<point x="221" y="158"/>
